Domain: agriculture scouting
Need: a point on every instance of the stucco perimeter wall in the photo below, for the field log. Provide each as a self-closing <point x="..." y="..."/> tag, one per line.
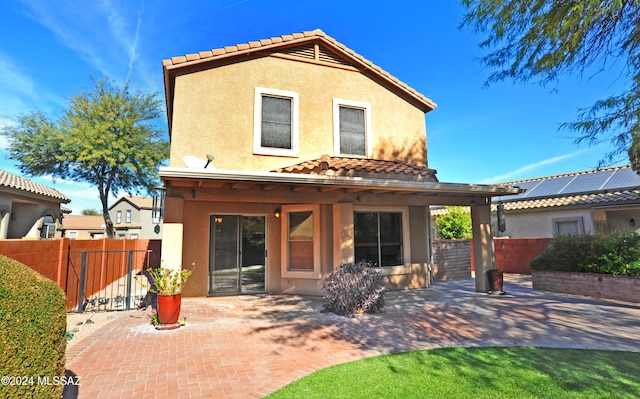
<point x="214" y="113"/>
<point x="588" y="284"/>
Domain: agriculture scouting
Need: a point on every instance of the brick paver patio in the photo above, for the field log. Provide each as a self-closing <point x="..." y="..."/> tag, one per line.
<point x="249" y="346"/>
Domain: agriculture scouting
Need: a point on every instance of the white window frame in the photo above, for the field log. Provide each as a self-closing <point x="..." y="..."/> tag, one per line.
<point x="337" y="103"/>
<point x="127" y="217"/>
<point x="578" y="220"/>
<point x="118" y="217"/>
<point x="286" y="272"/>
<point x="257" y="123"/>
<point x="72" y="235"/>
<point x="406" y="237"/>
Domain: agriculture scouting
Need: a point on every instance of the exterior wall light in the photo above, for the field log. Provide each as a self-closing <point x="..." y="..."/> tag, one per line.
<point x="276" y="214"/>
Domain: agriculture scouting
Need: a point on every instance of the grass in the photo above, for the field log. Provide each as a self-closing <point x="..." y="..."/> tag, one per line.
<point x="511" y="372"/>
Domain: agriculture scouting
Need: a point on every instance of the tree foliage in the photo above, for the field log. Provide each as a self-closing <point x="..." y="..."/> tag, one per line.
<point x="90" y="212"/>
<point x="540" y="40"/>
<point x="454" y="224"/>
<point x="102" y="138"/>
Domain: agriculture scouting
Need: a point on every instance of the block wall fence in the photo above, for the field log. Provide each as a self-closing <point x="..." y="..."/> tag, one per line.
<point x="453" y="259"/>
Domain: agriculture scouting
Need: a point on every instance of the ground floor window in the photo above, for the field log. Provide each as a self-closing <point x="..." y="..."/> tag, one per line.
<point x="379" y="237"/>
<point x="301" y="241"/>
<point x="568" y="226"/>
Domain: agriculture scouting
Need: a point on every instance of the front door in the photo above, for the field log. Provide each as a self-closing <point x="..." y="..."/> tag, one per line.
<point x="237" y="262"/>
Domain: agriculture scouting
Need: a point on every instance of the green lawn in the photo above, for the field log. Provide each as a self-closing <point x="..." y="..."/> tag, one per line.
<point x="512" y="372"/>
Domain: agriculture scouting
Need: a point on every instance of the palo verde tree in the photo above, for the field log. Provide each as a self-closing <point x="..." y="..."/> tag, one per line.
<point x="103" y="138"/>
<point x="540" y="40"/>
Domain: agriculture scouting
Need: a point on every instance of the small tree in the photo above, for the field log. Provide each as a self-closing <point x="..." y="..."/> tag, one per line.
<point x="102" y="138"/>
<point x="90" y="212"/>
<point x="455" y="224"/>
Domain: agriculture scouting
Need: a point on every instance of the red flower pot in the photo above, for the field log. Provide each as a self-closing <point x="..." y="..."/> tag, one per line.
<point x="169" y="308"/>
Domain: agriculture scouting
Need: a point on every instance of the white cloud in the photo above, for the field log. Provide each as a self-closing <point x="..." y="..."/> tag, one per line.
<point x="527" y="168"/>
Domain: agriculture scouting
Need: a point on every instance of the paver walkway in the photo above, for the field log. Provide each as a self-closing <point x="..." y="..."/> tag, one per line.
<point x="249" y="346"/>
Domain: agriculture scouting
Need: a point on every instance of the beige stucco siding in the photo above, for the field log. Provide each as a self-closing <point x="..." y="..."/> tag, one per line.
<point x="195" y="212"/>
<point x="540" y="224"/>
<point x="214" y="113"/>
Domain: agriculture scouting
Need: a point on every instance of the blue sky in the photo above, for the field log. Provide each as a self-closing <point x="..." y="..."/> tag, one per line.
<point x="476" y="135"/>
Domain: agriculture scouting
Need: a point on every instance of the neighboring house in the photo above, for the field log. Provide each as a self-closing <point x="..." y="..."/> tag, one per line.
<point x="132" y="218"/>
<point x="320" y="158"/>
<point x="29" y="209"/>
<point x="83" y="227"/>
<point x="592" y="201"/>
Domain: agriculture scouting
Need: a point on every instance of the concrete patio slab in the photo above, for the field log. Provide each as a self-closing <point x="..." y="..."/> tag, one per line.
<point x="249" y="346"/>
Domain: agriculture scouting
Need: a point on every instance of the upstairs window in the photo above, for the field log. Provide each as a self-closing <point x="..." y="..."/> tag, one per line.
<point x="118" y="217"/>
<point x="275" y="122"/>
<point x="128" y="216"/>
<point x="352" y="128"/>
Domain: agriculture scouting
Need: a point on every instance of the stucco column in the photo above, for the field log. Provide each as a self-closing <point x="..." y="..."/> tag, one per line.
<point x="172" y="234"/>
<point x="483" y="251"/>
<point x="4" y="224"/>
<point x="343" y="251"/>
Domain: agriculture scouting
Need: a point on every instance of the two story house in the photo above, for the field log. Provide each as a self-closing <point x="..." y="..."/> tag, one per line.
<point x="132" y="217"/>
<point x="294" y="154"/>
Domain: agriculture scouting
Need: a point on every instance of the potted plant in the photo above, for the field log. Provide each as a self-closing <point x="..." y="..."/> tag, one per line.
<point x="168" y="284"/>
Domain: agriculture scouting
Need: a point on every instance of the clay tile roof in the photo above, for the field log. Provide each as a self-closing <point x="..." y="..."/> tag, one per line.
<point x="20" y="183"/>
<point x="362" y="167"/>
<point x="274" y="44"/>
<point x="138" y="202"/>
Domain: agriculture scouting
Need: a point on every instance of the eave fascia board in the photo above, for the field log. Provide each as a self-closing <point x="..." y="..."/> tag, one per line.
<point x="167" y="173"/>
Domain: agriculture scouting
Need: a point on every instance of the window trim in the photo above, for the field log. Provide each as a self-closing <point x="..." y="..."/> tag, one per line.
<point x="257" y="123"/>
<point x="118" y="217"/>
<point x="576" y="219"/>
<point x="337" y="103"/>
<point x="74" y="232"/>
<point x="127" y="217"/>
<point x="284" y="254"/>
<point x="406" y="237"/>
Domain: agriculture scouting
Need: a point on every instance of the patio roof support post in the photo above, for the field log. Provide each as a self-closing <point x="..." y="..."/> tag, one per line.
<point x="483" y="251"/>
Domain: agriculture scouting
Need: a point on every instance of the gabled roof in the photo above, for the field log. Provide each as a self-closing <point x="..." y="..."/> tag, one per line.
<point x="362" y="167"/>
<point x="296" y="46"/>
<point x="137" y="202"/>
<point x="23" y="184"/>
<point x="599" y="186"/>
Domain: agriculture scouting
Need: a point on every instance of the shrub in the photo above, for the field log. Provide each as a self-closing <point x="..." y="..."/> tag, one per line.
<point x="33" y="323"/>
<point x="454" y="224"/>
<point x="354" y="289"/>
<point x="617" y="254"/>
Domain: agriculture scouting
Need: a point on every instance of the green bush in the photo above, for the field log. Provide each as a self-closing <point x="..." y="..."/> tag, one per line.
<point x="454" y="224"/>
<point x="33" y="321"/>
<point x="617" y="254"/>
<point x="354" y="289"/>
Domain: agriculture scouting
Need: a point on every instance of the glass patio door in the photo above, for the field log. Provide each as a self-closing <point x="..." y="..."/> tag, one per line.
<point x="237" y="262"/>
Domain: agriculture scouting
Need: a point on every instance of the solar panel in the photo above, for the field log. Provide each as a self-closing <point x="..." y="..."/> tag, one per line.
<point x="622" y="178"/>
<point x="610" y="179"/>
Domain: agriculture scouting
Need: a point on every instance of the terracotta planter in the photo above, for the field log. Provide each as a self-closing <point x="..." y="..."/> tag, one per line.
<point x="169" y="308"/>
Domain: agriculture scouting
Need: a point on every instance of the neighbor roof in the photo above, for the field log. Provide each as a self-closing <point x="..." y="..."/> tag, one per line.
<point x="331" y="53"/>
<point x="82" y="222"/>
<point x="362" y="167"/>
<point x="23" y="184"/>
<point x="137" y="202"/>
<point x="599" y="186"/>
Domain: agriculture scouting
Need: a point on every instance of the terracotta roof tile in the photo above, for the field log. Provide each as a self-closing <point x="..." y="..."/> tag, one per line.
<point x="362" y="167"/>
<point x="20" y="183"/>
<point x="307" y="35"/>
<point x="81" y="222"/>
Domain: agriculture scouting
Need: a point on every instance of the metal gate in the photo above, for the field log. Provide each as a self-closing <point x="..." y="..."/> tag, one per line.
<point x="108" y="280"/>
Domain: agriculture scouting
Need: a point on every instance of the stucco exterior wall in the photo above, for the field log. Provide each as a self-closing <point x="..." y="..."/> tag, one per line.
<point x="214" y="113"/>
<point x="540" y="224"/>
<point x="193" y="213"/>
